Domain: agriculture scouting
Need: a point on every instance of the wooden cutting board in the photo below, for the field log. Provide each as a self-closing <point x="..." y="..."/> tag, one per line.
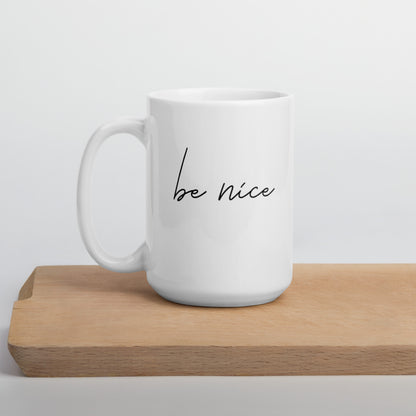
<point x="334" y="319"/>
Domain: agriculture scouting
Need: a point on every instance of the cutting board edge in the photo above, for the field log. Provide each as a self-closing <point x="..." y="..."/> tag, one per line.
<point x="214" y="360"/>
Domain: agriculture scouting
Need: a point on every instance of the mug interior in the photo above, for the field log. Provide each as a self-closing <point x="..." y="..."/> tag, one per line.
<point x="215" y="95"/>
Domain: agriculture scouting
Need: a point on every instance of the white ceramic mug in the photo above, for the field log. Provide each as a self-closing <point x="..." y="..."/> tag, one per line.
<point x="219" y="195"/>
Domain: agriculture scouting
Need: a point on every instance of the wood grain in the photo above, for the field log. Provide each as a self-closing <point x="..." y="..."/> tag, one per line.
<point x="333" y="319"/>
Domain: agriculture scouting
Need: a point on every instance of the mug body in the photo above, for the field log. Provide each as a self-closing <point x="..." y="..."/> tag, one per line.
<point x="219" y="195"/>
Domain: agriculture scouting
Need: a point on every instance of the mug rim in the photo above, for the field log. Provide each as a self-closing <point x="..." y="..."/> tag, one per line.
<point x="217" y="95"/>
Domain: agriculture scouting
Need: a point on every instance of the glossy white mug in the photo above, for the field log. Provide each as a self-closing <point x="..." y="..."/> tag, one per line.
<point x="219" y="195"/>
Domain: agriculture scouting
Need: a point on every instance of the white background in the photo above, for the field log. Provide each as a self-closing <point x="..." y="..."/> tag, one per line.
<point x="66" y="67"/>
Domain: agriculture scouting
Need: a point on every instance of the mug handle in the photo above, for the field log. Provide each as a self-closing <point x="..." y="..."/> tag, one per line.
<point x="136" y="261"/>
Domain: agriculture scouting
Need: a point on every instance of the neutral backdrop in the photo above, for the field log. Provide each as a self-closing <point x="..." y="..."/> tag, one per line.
<point x="67" y="67"/>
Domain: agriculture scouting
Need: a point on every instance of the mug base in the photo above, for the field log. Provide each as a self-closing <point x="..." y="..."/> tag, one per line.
<point x="223" y="301"/>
